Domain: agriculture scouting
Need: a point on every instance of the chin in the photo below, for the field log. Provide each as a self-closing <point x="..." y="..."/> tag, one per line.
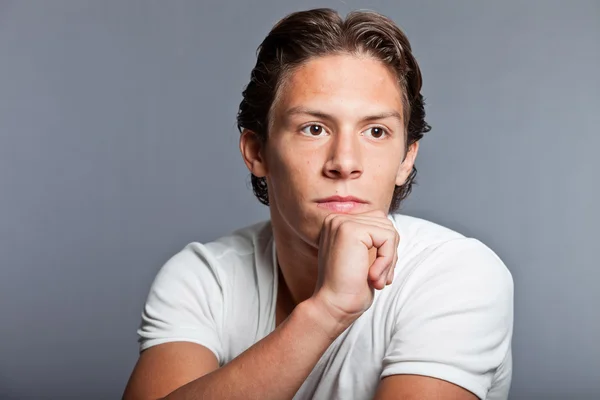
<point x="298" y="223"/>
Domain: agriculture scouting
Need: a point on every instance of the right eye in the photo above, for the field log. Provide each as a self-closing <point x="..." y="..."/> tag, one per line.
<point x="313" y="130"/>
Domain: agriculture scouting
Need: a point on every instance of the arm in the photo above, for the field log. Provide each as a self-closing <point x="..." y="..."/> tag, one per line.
<point x="452" y="337"/>
<point x="416" y="387"/>
<point x="276" y="366"/>
<point x="165" y="367"/>
<point x="273" y="368"/>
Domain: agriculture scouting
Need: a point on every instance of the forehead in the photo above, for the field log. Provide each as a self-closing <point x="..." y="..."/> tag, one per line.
<point x="342" y="82"/>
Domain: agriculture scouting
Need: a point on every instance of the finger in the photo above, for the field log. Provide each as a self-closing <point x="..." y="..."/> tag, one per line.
<point x="375" y="213"/>
<point x="372" y="255"/>
<point x="381" y="282"/>
<point x="385" y="241"/>
<point x="390" y="275"/>
<point x="382" y="223"/>
<point x="326" y="228"/>
<point x="377" y="283"/>
<point x="379" y="269"/>
<point x="393" y="267"/>
<point x="387" y="274"/>
<point x="367" y="217"/>
<point x="335" y="220"/>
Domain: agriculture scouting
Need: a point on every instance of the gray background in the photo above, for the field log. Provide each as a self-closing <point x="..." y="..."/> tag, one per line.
<point x="118" y="147"/>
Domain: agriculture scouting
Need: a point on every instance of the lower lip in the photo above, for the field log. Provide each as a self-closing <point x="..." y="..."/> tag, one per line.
<point x="340" y="206"/>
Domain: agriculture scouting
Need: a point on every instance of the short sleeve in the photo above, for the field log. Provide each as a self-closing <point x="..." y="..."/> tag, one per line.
<point x="185" y="302"/>
<point x="455" y="317"/>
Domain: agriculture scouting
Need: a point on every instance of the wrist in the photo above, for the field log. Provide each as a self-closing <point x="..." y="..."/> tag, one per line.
<point x="330" y="322"/>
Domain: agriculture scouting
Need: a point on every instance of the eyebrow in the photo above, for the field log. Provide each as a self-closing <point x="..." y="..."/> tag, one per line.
<point x="319" y="114"/>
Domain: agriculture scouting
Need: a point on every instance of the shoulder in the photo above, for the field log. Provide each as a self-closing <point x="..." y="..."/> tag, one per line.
<point x="442" y="271"/>
<point x="213" y="271"/>
<point x="434" y="248"/>
<point x="451" y="308"/>
<point x="219" y="257"/>
<point x="419" y="233"/>
<point x="242" y="242"/>
<point x="187" y="299"/>
<point x="463" y="267"/>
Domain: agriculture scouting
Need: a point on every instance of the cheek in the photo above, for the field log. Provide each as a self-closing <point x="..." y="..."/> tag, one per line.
<point x="296" y="162"/>
<point x="290" y="174"/>
<point x="384" y="172"/>
<point x="383" y="181"/>
<point x="287" y="167"/>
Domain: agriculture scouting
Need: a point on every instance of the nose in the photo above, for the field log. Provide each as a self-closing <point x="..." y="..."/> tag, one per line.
<point x="344" y="157"/>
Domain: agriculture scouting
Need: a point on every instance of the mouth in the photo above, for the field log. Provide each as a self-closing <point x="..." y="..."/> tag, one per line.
<point x="341" y="204"/>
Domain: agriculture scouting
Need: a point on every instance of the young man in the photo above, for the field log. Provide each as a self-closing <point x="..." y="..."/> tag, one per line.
<point x="336" y="296"/>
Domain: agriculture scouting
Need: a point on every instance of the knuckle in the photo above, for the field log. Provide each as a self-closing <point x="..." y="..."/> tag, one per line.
<point x="392" y="236"/>
<point x="345" y="227"/>
<point x="333" y="221"/>
<point x="329" y="218"/>
<point x="337" y="221"/>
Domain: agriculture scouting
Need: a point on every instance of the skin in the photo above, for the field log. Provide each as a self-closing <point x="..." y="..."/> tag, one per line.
<point x="349" y="156"/>
<point x="330" y="262"/>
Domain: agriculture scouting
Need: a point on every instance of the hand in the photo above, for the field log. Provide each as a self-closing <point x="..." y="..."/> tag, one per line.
<point x="357" y="254"/>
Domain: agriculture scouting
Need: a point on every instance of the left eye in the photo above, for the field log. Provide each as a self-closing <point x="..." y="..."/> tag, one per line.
<point x="314" y="130"/>
<point x="377" y="132"/>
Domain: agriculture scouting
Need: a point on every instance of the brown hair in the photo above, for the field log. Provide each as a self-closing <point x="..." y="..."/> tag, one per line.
<point x="304" y="35"/>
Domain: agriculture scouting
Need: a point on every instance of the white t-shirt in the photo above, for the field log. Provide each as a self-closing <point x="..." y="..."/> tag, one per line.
<point x="448" y="313"/>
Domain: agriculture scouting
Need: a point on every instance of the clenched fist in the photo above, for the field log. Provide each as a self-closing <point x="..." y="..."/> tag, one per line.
<point x="357" y="254"/>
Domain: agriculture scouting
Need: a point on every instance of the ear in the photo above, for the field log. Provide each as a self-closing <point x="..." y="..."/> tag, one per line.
<point x="407" y="165"/>
<point x="252" y="153"/>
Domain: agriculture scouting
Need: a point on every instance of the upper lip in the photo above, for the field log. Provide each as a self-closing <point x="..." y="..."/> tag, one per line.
<point x="341" y="199"/>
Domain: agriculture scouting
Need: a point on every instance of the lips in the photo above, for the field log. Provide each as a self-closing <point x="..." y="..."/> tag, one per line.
<point x="342" y="199"/>
<point x="341" y="204"/>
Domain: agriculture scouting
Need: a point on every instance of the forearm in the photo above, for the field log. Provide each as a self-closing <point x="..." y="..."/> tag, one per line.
<point x="276" y="366"/>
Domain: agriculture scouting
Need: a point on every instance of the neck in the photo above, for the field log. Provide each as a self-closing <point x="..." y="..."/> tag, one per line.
<point x="298" y="264"/>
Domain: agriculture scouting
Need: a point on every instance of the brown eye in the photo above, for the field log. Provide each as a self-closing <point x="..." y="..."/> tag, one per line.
<point x="313" y="130"/>
<point x="377" y="132"/>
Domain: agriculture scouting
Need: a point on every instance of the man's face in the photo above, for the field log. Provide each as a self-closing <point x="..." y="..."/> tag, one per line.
<point x="336" y="130"/>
